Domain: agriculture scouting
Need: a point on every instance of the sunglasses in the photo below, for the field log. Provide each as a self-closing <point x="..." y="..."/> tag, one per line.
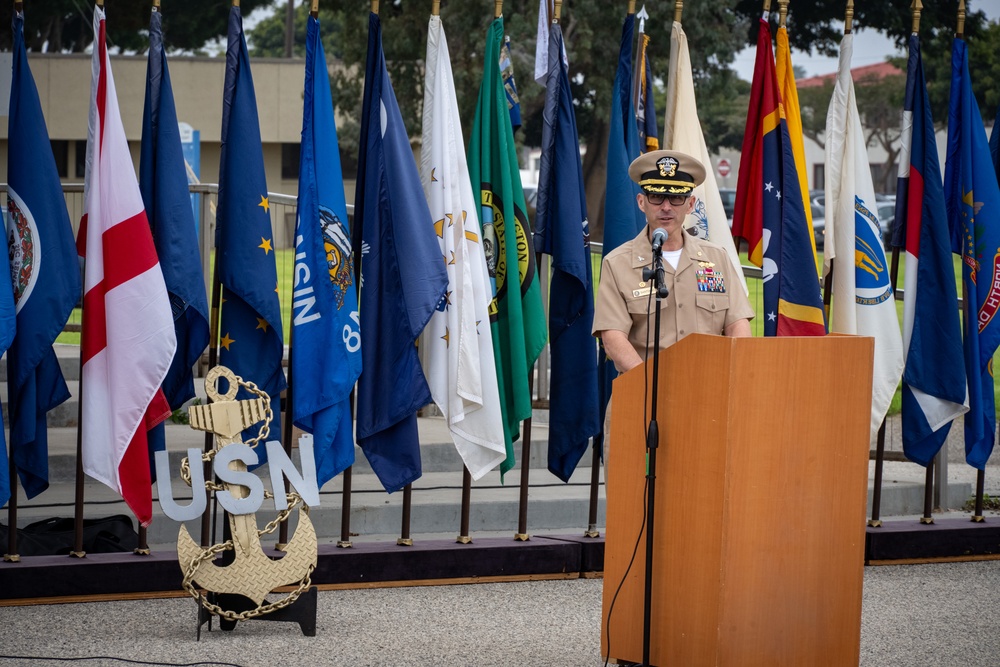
<point x="656" y="198"/>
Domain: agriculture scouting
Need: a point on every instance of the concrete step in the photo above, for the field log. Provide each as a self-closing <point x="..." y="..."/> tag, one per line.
<point x="69" y="362"/>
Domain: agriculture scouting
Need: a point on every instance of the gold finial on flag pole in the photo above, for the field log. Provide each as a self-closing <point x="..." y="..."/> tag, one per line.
<point x="19" y="6"/>
<point x="960" y="33"/>
<point x="631" y="8"/>
<point x="436" y="8"/>
<point x="236" y="3"/>
<point x="556" y="11"/>
<point x="314" y="10"/>
<point x="849" y="17"/>
<point x="374" y="6"/>
<point x="767" y="7"/>
<point x="678" y="10"/>
<point x="100" y="3"/>
<point x="916" y="7"/>
<point x="782" y="13"/>
<point x="498" y="9"/>
<point x="156" y="5"/>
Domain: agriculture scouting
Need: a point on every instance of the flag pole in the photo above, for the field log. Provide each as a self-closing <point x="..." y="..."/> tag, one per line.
<point x="849" y="17"/>
<point x="782" y="13"/>
<point x="498" y="9"/>
<point x="678" y="10"/>
<point x="314" y="10"/>
<point x="436" y="8"/>
<point x="11" y="555"/>
<point x="374" y="7"/>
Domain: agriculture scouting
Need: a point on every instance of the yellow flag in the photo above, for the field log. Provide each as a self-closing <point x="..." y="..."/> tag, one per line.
<point x="790" y="101"/>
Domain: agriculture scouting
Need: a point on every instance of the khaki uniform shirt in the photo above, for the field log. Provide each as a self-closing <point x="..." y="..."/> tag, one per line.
<point x="706" y="294"/>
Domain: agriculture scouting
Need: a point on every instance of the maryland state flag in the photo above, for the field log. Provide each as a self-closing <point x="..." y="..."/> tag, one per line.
<point x="517" y="318"/>
<point x="769" y="211"/>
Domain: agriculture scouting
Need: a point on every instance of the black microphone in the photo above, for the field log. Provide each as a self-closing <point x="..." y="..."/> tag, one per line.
<point x="659" y="236"/>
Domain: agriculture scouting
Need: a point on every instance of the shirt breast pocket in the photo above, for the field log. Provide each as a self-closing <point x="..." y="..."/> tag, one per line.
<point x="711" y="311"/>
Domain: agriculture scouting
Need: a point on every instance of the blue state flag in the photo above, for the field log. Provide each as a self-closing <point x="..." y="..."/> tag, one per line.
<point x="972" y="198"/>
<point x="326" y="357"/>
<point x="164" y="186"/>
<point x="563" y="231"/>
<point x="403" y="279"/>
<point x="934" y="388"/>
<point x="45" y="277"/>
<point x="250" y="338"/>
<point x="622" y="218"/>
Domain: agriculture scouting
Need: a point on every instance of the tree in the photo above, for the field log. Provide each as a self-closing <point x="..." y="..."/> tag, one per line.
<point x="57" y="26"/>
<point x="592" y="30"/>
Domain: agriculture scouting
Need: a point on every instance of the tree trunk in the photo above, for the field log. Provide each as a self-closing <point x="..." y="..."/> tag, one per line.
<point x="595" y="176"/>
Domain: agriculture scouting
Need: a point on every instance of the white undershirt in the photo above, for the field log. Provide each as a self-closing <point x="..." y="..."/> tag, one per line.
<point x="672" y="256"/>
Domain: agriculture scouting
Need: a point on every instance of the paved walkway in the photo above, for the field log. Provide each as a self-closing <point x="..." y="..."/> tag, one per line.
<point x="913" y="615"/>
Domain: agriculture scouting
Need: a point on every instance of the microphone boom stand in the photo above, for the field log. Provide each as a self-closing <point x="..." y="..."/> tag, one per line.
<point x="652" y="444"/>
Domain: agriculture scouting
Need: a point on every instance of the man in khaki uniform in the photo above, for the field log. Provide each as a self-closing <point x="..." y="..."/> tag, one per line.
<point x="705" y="291"/>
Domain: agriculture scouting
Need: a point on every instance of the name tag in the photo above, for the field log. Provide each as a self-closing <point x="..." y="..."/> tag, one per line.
<point x="641" y="292"/>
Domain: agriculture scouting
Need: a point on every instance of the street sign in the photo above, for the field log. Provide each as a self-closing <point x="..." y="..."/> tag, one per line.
<point x="724" y="167"/>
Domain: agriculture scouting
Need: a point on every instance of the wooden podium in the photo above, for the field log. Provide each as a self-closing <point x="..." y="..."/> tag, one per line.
<point x="762" y="479"/>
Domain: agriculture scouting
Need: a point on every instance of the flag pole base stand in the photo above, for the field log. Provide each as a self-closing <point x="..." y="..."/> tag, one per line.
<point x="344" y="544"/>
<point x="463" y="539"/>
<point x="404" y="542"/>
<point x="281" y="546"/>
<point x="12" y="558"/>
<point x="77" y="554"/>
<point x="521" y="537"/>
<point x="926" y="520"/>
<point x="302" y="611"/>
<point x="979" y="518"/>
<point x="875" y="523"/>
<point x="142" y="552"/>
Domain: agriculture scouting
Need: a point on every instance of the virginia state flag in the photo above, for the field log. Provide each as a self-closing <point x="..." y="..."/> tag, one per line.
<point x="517" y="318"/>
<point x="973" y="203"/>
<point x="250" y="342"/>
<point x="863" y="302"/>
<point x="934" y="390"/>
<point x="563" y="231"/>
<point x="40" y="246"/>
<point x="459" y="357"/>
<point x="164" y="186"/>
<point x="793" y="304"/>
<point x="622" y="218"/>
<point x="127" y="340"/>
<point x="325" y="321"/>
<point x="403" y="278"/>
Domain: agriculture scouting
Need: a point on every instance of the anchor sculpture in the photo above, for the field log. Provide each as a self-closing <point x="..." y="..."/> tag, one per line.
<point x="251" y="573"/>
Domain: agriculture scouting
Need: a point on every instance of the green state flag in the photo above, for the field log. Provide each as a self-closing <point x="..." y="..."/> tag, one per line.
<point x="517" y="319"/>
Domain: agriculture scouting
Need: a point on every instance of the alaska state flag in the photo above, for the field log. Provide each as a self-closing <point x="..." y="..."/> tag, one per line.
<point x="972" y="199"/>
<point x="622" y="218"/>
<point x="40" y="245"/>
<point x="250" y="338"/>
<point x="164" y="186"/>
<point x="517" y="318"/>
<point x="934" y="389"/>
<point x="403" y="278"/>
<point x="327" y="355"/>
<point x="772" y="208"/>
<point x="563" y="231"/>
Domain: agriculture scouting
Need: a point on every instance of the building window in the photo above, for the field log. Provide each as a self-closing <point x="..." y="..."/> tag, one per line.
<point x="819" y="176"/>
<point x="290" y="162"/>
<point x="81" y="159"/>
<point x="60" y="151"/>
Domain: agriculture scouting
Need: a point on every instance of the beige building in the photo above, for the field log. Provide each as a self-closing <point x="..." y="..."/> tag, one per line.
<point x="63" y="83"/>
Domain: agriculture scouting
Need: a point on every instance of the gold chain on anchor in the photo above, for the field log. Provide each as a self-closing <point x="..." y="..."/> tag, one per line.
<point x="209" y="553"/>
<point x="264" y="431"/>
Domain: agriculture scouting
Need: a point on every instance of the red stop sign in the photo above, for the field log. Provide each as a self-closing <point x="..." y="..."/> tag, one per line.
<point x="724" y="167"/>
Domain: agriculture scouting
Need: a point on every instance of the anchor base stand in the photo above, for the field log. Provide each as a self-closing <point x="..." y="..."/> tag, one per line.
<point x="302" y="611"/>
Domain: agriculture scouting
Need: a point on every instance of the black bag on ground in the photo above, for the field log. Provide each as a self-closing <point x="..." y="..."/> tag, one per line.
<point x="55" y="536"/>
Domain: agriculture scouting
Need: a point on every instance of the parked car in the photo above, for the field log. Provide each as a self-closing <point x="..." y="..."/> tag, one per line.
<point x="886" y="218"/>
